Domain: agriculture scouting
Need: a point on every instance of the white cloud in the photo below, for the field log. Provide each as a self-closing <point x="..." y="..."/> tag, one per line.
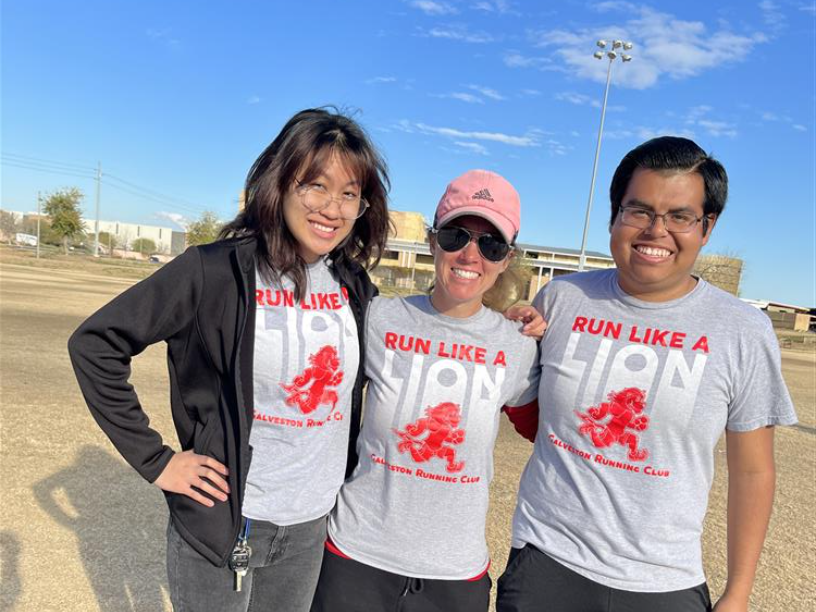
<point x="583" y="100"/>
<point x="487" y="92"/>
<point x="461" y="96"/>
<point x="718" y="128"/>
<point x="555" y="147"/>
<point x="605" y="7"/>
<point x="162" y="35"/>
<point x="381" y="79"/>
<point x="495" y="6"/>
<point x="809" y="8"/>
<point x="771" y="117"/>
<point x="433" y="8"/>
<point x="530" y="92"/>
<point x="253" y="100"/>
<point x="180" y="220"/>
<point x="577" y="99"/>
<point x="698" y="116"/>
<point x="460" y="33"/>
<point x="514" y="59"/>
<point x="642" y="132"/>
<point x="665" y="46"/>
<point x="473" y="147"/>
<point x="772" y="15"/>
<point x="529" y="140"/>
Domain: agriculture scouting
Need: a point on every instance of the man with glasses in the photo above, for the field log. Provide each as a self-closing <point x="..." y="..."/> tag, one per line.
<point x="643" y="368"/>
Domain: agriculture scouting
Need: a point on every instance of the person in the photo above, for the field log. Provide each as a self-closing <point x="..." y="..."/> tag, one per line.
<point x="263" y="352"/>
<point x="643" y="367"/>
<point x="408" y="531"/>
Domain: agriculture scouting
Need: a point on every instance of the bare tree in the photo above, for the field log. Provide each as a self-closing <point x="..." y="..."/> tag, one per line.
<point x="9" y="225"/>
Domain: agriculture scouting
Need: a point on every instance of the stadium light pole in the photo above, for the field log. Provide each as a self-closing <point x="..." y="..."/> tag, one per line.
<point x="612" y="55"/>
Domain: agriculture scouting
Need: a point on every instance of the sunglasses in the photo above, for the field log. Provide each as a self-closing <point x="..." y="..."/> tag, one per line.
<point x="452" y="239"/>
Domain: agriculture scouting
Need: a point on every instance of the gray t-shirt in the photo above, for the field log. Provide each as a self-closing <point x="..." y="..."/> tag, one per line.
<point x="417" y="502"/>
<point x="306" y="359"/>
<point x="634" y="396"/>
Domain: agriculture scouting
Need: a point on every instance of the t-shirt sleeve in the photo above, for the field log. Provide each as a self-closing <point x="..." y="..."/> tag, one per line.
<point x="760" y="396"/>
<point x="529" y="373"/>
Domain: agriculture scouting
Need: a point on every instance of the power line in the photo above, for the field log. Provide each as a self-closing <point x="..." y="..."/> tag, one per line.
<point x="55" y="167"/>
<point x="69" y="165"/>
<point x="153" y="192"/>
<point x="45" y="169"/>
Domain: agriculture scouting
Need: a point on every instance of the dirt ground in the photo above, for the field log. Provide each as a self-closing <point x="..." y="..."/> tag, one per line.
<point x="82" y="531"/>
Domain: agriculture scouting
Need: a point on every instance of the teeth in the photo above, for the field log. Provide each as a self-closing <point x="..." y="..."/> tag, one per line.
<point x="322" y="228"/>
<point x="466" y="274"/>
<point x="653" y="252"/>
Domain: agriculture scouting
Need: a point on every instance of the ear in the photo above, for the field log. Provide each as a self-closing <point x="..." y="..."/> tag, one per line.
<point x="712" y="221"/>
<point x="432" y="242"/>
<point x="506" y="263"/>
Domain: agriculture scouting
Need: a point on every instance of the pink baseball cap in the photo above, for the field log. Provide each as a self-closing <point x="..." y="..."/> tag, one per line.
<point x="484" y="194"/>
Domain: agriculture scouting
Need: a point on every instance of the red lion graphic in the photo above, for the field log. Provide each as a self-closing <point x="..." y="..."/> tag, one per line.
<point x="323" y="372"/>
<point x="441" y="422"/>
<point x="625" y="408"/>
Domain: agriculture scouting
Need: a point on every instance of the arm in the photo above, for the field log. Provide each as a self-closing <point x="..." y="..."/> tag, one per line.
<point x="101" y="350"/>
<point x="751" y="481"/>
<point x="534" y="323"/>
<point x="524" y="419"/>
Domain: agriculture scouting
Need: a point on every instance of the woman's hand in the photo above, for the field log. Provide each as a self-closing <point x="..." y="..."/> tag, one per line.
<point x="534" y="323"/>
<point x="188" y="473"/>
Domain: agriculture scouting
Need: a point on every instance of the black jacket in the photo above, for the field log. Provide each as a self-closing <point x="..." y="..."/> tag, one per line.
<point x="202" y="304"/>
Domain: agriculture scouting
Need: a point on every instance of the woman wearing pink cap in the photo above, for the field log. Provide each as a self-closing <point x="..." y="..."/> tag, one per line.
<point x="408" y="530"/>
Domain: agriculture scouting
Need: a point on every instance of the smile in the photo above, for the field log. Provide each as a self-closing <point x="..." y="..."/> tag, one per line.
<point x="465" y="274"/>
<point x="322" y="228"/>
<point x="652" y="251"/>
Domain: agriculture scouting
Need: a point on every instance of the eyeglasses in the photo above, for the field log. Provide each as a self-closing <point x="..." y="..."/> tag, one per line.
<point x="315" y="197"/>
<point x="678" y="222"/>
<point x="452" y="239"/>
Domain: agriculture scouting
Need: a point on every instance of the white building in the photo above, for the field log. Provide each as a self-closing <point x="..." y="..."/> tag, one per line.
<point x="167" y="240"/>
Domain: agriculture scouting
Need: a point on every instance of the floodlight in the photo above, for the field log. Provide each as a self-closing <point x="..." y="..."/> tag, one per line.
<point x="601" y="43"/>
<point x="611" y="55"/>
<point x="617" y="44"/>
<point x="598" y="55"/>
<point x="627" y="46"/>
<point x="626" y="58"/>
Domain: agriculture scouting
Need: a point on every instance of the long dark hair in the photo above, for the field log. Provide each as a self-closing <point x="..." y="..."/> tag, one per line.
<point x="305" y="147"/>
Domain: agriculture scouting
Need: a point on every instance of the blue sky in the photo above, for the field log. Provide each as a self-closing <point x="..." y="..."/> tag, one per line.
<point x="177" y="98"/>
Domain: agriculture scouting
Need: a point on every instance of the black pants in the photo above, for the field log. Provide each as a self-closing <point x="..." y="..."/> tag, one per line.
<point x="534" y="582"/>
<point x="346" y="585"/>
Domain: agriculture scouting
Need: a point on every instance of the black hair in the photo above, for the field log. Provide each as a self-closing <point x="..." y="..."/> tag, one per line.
<point x="302" y="150"/>
<point x="673" y="154"/>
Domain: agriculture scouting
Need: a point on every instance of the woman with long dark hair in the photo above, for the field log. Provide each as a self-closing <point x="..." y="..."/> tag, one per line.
<point x="263" y="333"/>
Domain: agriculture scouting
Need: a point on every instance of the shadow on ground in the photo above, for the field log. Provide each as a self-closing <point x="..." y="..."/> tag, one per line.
<point x="119" y="522"/>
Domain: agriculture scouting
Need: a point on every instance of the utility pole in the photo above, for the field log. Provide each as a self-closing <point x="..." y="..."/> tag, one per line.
<point x="98" y="190"/>
<point x="38" y="225"/>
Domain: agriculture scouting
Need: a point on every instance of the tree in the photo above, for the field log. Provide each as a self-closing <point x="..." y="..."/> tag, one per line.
<point x="9" y="225"/>
<point x="205" y="230"/>
<point x="62" y="208"/>
<point x="143" y="245"/>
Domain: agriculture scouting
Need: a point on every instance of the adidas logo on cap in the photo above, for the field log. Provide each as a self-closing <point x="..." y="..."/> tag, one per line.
<point x="482" y="194"/>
